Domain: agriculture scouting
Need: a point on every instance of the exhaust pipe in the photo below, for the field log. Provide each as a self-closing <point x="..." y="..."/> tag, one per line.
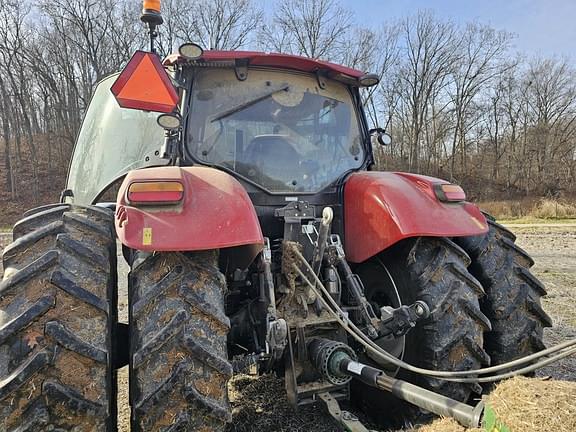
<point x="325" y="361"/>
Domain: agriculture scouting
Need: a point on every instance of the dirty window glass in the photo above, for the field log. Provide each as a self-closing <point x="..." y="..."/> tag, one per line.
<point x="112" y="142"/>
<point x="277" y="129"/>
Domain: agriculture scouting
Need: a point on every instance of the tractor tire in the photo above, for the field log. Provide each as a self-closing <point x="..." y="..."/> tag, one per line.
<point x="513" y="294"/>
<point x="179" y="367"/>
<point x="451" y="338"/>
<point x="57" y="317"/>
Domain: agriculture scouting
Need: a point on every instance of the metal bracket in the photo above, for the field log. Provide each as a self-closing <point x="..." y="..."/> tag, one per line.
<point x="321" y="79"/>
<point x="401" y="320"/>
<point x="344" y="418"/>
<point x="277" y="338"/>
<point x="66" y="193"/>
<point x="241" y="69"/>
<point x="296" y="211"/>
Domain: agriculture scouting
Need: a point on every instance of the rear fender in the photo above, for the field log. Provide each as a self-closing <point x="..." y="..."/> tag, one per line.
<point x="215" y="213"/>
<point x="382" y="208"/>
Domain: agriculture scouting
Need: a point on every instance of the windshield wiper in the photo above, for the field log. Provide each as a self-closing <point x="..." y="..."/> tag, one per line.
<point x="247" y="104"/>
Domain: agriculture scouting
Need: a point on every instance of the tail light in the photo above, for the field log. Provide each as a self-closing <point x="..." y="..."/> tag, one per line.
<point x="448" y="192"/>
<point x="155" y="193"/>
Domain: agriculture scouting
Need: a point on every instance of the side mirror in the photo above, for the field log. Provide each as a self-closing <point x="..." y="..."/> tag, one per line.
<point x="379" y="136"/>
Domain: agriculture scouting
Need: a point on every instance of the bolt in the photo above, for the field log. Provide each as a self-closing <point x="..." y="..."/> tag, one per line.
<point x="421" y="309"/>
<point x="348" y="416"/>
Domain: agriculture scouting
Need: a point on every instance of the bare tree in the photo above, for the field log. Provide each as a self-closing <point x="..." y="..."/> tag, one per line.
<point x="479" y="60"/>
<point x="312" y="28"/>
<point x="551" y="98"/>
<point x="430" y="51"/>
<point x="375" y="52"/>
<point x="217" y="24"/>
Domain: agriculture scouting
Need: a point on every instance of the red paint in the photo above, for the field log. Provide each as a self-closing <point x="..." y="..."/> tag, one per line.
<point x="145" y="85"/>
<point x="215" y="213"/>
<point x="382" y="208"/>
<point x="281" y="61"/>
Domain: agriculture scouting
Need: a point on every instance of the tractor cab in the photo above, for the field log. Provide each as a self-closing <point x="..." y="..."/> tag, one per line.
<point x="282" y="128"/>
<point x="287" y="128"/>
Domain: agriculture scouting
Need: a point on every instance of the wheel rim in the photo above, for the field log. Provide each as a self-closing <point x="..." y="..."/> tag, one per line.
<point x="385" y="293"/>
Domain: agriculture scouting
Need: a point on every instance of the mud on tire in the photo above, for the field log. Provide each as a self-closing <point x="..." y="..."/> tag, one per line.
<point x="434" y="270"/>
<point x="57" y="311"/>
<point x="178" y="364"/>
<point x="513" y="294"/>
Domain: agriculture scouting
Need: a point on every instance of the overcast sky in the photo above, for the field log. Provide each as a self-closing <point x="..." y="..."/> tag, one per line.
<point x="546" y="27"/>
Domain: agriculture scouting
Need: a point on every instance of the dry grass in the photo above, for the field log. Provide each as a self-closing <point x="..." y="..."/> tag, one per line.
<point x="554" y="209"/>
<point x="445" y="425"/>
<point x="528" y="405"/>
<point x="530" y="209"/>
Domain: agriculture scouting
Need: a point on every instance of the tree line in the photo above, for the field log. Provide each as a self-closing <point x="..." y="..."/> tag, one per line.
<point x="457" y="99"/>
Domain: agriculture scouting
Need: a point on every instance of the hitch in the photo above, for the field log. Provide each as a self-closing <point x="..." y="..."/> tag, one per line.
<point x="346" y="419"/>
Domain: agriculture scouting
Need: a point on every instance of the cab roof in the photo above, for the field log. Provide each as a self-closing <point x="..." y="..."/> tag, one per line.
<point x="272" y="60"/>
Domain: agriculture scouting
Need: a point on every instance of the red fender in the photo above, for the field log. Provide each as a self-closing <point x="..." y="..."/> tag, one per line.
<point x="215" y="213"/>
<point x="382" y="208"/>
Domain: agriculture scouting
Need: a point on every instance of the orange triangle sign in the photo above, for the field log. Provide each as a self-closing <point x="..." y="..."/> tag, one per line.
<point x="145" y="85"/>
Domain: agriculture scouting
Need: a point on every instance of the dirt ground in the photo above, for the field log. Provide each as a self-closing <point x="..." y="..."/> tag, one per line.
<point x="260" y="404"/>
<point x="553" y="248"/>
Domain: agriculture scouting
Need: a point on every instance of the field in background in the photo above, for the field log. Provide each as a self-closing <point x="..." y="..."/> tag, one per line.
<point x="531" y="210"/>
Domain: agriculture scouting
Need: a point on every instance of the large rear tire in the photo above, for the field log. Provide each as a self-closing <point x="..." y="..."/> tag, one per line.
<point x="513" y="294"/>
<point x="179" y="368"/>
<point x="432" y="270"/>
<point x="57" y="315"/>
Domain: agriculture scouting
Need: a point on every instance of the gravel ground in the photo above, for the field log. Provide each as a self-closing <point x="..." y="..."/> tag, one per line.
<point x="260" y="404"/>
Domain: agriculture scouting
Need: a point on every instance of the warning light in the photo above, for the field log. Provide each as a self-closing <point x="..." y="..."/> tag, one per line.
<point x="448" y="192"/>
<point x="151" y="13"/>
<point x="145" y="85"/>
<point x="155" y="192"/>
<point x="151" y="5"/>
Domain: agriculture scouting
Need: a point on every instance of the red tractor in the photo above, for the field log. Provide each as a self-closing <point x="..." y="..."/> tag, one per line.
<point x="257" y="235"/>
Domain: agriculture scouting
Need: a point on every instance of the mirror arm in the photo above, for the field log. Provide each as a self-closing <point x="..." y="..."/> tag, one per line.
<point x="169" y="149"/>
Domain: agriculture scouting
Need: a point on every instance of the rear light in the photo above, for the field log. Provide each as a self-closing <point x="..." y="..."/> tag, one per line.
<point x="449" y="192"/>
<point x="155" y="192"/>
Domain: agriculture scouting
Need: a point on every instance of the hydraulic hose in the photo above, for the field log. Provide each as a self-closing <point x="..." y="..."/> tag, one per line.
<point x="453" y="376"/>
<point x="456" y="376"/>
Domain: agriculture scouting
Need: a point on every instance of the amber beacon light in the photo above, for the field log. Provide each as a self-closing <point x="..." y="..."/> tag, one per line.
<point x="151" y="12"/>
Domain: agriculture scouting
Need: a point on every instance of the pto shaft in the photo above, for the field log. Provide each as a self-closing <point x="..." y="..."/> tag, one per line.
<point x="331" y="355"/>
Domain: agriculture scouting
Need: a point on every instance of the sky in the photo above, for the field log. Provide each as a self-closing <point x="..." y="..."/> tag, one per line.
<point x="542" y="27"/>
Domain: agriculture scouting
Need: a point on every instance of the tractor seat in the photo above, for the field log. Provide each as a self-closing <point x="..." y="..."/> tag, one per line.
<point x="274" y="155"/>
